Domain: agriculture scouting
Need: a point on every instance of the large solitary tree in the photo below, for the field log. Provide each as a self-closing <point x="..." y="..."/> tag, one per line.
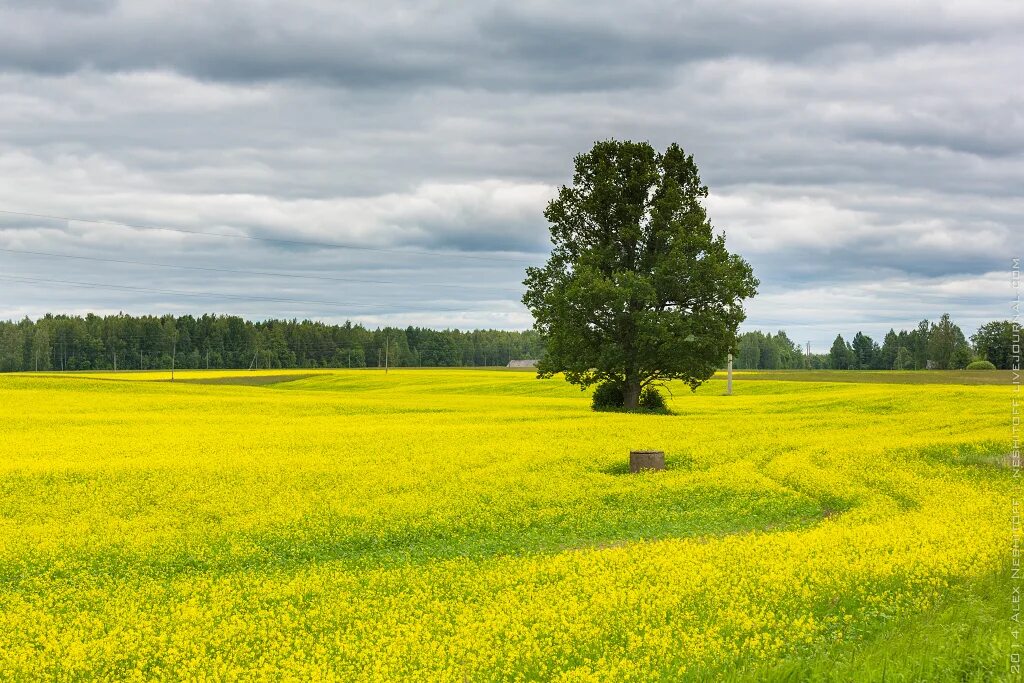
<point x="638" y="288"/>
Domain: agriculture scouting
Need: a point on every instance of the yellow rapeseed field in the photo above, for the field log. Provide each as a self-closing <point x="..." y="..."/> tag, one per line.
<point x="455" y="525"/>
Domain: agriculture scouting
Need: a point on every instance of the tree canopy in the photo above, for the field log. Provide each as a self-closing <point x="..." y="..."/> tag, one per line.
<point x="994" y="342"/>
<point x="638" y="288"/>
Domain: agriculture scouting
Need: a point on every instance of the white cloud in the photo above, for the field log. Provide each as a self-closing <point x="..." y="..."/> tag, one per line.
<point x="868" y="162"/>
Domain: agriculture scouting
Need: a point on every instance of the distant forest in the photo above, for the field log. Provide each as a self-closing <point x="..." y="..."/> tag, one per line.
<point x="62" y="342"/>
<point x="938" y="345"/>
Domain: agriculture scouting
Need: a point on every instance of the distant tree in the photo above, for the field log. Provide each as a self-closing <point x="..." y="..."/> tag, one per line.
<point x="12" y="345"/>
<point x="443" y="351"/>
<point x="169" y="341"/>
<point x="961" y="357"/>
<point x="919" y="344"/>
<point x="790" y="354"/>
<point x="771" y="357"/>
<point x="903" y="360"/>
<point x="638" y="288"/>
<point x="819" y="361"/>
<point x="887" y="354"/>
<point x="273" y="346"/>
<point x="41" y="349"/>
<point x="749" y="356"/>
<point x="864" y="351"/>
<point x="841" y="356"/>
<point x="994" y="342"/>
<point x="947" y="346"/>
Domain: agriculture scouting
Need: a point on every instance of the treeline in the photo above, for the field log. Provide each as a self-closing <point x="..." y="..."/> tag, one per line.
<point x="92" y="342"/>
<point x="62" y="342"/>
<point x="931" y="345"/>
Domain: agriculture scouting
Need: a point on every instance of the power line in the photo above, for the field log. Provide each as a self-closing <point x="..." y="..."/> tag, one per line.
<point x="243" y="297"/>
<point x="278" y="240"/>
<point x="252" y="272"/>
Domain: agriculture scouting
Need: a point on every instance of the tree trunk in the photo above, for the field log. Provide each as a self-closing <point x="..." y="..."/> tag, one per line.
<point x="631" y="394"/>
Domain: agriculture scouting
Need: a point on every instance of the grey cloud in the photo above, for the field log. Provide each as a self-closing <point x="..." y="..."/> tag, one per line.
<point x="844" y="144"/>
<point x="489" y="45"/>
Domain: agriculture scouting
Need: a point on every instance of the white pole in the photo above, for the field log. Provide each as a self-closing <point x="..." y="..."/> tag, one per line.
<point x="728" y="382"/>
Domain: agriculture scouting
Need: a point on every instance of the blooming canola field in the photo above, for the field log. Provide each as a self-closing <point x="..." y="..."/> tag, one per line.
<point x="452" y="525"/>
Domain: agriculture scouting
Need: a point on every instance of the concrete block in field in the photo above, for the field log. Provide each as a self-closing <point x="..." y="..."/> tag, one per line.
<point x="646" y="460"/>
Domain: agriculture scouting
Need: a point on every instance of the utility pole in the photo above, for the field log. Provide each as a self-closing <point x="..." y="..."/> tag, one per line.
<point x="174" y="346"/>
<point x="115" y="360"/>
<point x="350" y="359"/>
<point x="728" y="381"/>
<point x="387" y="346"/>
<point x="207" y="359"/>
<point x="807" y="359"/>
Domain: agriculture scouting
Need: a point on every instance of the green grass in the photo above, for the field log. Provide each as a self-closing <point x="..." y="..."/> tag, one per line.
<point x="967" y="637"/>
<point x="969" y="377"/>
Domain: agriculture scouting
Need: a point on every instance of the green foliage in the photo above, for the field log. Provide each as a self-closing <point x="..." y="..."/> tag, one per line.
<point x="61" y="342"/>
<point x="938" y="345"/>
<point x="652" y="400"/>
<point x="981" y="365"/>
<point x="638" y="288"/>
<point x="994" y="341"/>
<point x="903" y="359"/>
<point x="760" y="351"/>
<point x="920" y="344"/>
<point x="866" y="354"/>
<point x="947" y="346"/>
<point x="610" y="396"/>
<point x="842" y="356"/>
<point x="607" y="396"/>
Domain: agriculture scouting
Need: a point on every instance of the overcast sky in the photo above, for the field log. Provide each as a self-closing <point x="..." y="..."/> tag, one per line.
<point x="867" y="158"/>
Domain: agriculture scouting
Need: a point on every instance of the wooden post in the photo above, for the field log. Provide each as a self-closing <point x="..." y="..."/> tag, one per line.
<point x="646" y="460"/>
<point x="728" y="382"/>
